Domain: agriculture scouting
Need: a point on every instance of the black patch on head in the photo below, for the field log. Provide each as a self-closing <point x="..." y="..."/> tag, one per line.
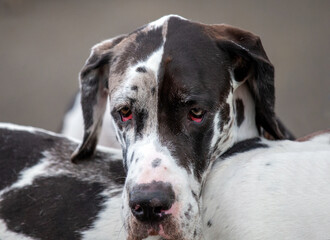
<point x="134" y="88"/>
<point x="145" y="44"/>
<point x="141" y="69"/>
<point x="239" y="111"/>
<point x="209" y="223"/>
<point x="243" y="146"/>
<point x="190" y="76"/>
<point x="20" y="150"/>
<point x="53" y="208"/>
<point x="140" y="120"/>
<point x="156" y="162"/>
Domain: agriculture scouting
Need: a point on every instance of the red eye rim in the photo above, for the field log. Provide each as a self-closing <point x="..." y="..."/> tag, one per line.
<point x="196" y="115"/>
<point x="125" y="114"/>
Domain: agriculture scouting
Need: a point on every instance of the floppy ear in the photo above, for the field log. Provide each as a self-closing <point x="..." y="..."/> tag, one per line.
<point x="251" y="65"/>
<point x="94" y="94"/>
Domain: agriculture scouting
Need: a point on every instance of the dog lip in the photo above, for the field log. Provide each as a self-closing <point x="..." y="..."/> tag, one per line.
<point x="159" y="232"/>
<point x="152" y="232"/>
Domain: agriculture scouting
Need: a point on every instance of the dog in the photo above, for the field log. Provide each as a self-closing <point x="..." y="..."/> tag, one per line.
<point x="258" y="189"/>
<point x="181" y="94"/>
<point x="44" y="196"/>
<point x="189" y="103"/>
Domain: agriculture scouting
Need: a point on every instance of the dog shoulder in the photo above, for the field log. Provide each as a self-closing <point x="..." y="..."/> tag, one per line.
<point x="253" y="193"/>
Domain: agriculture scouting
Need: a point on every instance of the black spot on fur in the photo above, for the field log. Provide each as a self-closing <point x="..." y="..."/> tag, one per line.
<point x="153" y="91"/>
<point x="156" y="162"/>
<point x="20" y="150"/>
<point x="141" y="69"/>
<point x="239" y="111"/>
<point x="187" y="215"/>
<point x="132" y="157"/>
<point x="209" y="223"/>
<point x="195" y="196"/>
<point x="54" y="207"/>
<point x="243" y="146"/>
<point x="134" y="88"/>
<point x="268" y="164"/>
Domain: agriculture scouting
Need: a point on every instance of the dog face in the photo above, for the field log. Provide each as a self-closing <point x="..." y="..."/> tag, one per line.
<point x="171" y="85"/>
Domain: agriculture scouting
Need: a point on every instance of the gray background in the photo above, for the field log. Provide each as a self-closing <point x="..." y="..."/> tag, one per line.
<point x="43" y="45"/>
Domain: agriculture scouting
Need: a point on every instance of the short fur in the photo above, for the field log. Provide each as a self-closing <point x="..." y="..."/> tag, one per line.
<point x="161" y="72"/>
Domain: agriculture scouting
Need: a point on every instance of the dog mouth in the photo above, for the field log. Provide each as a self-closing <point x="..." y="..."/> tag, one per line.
<point x="167" y="229"/>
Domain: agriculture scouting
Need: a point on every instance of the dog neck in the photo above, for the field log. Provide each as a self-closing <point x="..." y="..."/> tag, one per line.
<point x="244" y="108"/>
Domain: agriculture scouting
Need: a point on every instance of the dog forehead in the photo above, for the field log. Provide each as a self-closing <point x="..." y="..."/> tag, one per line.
<point x="146" y="51"/>
<point x="140" y="44"/>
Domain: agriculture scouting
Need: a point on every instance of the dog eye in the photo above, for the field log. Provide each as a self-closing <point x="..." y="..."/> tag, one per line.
<point x="196" y="114"/>
<point x="126" y="114"/>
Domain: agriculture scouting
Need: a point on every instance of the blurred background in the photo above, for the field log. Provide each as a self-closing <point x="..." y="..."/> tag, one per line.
<point x="44" y="44"/>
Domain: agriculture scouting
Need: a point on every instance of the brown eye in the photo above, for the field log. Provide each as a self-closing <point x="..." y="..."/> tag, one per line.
<point x="126" y="114"/>
<point x="196" y="114"/>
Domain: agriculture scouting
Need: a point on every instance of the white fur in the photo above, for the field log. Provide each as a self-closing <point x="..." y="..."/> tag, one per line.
<point x="281" y="192"/>
<point x="28" y="175"/>
<point x="161" y="21"/>
<point x="11" y="126"/>
<point x="259" y="194"/>
<point x="108" y="224"/>
<point x="248" y="128"/>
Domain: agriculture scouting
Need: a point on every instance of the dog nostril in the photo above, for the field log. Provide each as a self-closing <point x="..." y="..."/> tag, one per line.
<point x="138" y="209"/>
<point x="158" y="210"/>
<point x="149" y="202"/>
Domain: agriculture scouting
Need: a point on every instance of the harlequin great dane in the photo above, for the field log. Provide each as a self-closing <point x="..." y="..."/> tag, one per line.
<point x="257" y="189"/>
<point x="181" y="94"/>
<point x="175" y="146"/>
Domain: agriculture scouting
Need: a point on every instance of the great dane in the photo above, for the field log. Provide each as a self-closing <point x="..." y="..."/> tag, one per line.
<point x="257" y="189"/>
<point x="188" y="102"/>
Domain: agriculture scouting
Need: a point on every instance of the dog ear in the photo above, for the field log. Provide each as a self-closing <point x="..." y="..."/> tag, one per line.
<point x="94" y="94"/>
<point x="251" y="65"/>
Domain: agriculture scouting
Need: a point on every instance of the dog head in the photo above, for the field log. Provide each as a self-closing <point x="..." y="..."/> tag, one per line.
<point x="172" y="86"/>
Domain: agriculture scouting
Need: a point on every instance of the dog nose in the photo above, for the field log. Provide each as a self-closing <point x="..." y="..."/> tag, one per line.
<point x="149" y="202"/>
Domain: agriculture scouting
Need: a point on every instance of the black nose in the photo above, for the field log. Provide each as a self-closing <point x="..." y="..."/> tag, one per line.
<point x="148" y="202"/>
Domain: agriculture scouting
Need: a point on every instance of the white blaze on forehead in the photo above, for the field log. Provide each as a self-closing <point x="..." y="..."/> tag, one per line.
<point x="160" y="22"/>
<point x="151" y="64"/>
<point x="154" y="61"/>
